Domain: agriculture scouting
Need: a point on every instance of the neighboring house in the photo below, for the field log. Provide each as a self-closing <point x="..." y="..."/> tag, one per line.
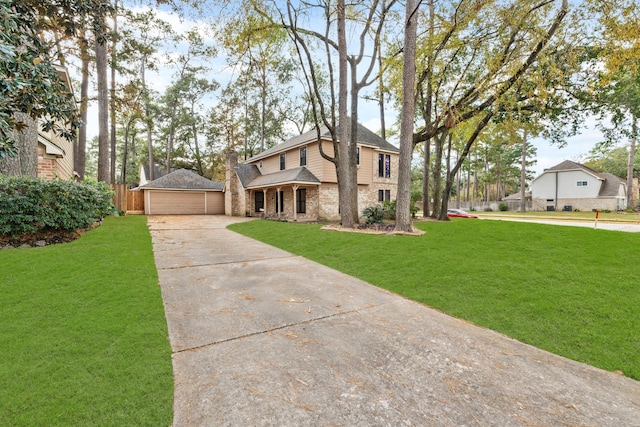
<point x="183" y="192"/>
<point x="292" y="181"/>
<point x="42" y="154"/>
<point x="514" y="202"/>
<point x="569" y="186"/>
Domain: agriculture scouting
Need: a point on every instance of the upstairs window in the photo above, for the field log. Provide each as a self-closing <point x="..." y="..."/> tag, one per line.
<point x="384" y="165"/>
<point x="303" y="156"/>
<point x="582" y="183"/>
<point x="358" y="156"/>
<point x="283" y="162"/>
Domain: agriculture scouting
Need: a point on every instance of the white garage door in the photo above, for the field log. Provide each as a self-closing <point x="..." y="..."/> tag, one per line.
<point x="183" y="203"/>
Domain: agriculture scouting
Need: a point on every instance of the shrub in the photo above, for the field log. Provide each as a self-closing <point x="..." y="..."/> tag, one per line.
<point x="472" y="209"/>
<point x="503" y="207"/>
<point x="30" y="205"/>
<point x="488" y="209"/>
<point x="373" y="214"/>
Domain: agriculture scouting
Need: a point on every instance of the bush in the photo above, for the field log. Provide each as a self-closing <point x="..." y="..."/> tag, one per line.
<point x="503" y="207"/>
<point x="373" y="214"/>
<point x="31" y="205"/>
<point x="488" y="209"/>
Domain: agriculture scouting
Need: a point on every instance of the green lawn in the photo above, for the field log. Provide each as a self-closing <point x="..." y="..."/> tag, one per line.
<point x="570" y="290"/>
<point x="83" y="337"/>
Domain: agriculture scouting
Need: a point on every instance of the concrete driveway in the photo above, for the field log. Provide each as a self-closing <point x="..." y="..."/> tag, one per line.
<point x="261" y="337"/>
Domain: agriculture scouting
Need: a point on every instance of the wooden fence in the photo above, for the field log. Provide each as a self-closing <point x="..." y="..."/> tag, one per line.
<point x="131" y="202"/>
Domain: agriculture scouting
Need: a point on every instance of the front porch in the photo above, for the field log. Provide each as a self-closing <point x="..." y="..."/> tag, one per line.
<point x="292" y="202"/>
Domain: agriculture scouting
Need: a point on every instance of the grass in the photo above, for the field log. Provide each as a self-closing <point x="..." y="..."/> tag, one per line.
<point x="569" y="290"/>
<point x="83" y="337"/>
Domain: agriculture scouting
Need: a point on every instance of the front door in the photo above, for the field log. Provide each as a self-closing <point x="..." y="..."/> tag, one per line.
<point x="259" y="201"/>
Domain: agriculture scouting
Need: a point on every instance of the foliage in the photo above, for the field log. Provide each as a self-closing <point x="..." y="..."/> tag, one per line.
<point x="502" y="275"/>
<point x="503" y="207"/>
<point x="373" y="214"/>
<point x="29" y="83"/>
<point x="83" y="340"/>
<point x="611" y="160"/>
<point x="31" y="205"/>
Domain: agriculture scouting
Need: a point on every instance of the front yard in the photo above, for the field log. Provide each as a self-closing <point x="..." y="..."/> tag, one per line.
<point x="569" y="290"/>
<point x="83" y="337"/>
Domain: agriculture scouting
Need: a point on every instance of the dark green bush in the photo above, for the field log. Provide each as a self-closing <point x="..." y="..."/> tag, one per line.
<point x="30" y="205"/>
<point x="503" y="207"/>
<point x="373" y="214"/>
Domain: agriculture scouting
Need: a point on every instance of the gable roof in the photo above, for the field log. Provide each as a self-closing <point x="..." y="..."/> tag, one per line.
<point x="299" y="175"/>
<point x="569" y="165"/>
<point x="365" y="137"/>
<point x="183" y="179"/>
<point x="247" y="173"/>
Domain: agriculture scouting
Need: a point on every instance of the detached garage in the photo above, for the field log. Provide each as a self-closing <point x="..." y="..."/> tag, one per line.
<point x="183" y="192"/>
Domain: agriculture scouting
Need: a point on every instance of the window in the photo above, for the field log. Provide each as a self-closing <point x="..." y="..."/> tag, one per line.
<point x="303" y="156"/>
<point x="582" y="183"/>
<point x="384" y="195"/>
<point x="279" y="201"/>
<point x="387" y="166"/>
<point x="358" y="156"/>
<point x="259" y="201"/>
<point x="384" y="165"/>
<point x="301" y="200"/>
<point x="282" y="161"/>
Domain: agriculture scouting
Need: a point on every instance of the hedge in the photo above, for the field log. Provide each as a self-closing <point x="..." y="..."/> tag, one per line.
<point x="29" y="205"/>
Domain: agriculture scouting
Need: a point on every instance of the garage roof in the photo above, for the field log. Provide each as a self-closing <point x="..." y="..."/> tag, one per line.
<point x="183" y="179"/>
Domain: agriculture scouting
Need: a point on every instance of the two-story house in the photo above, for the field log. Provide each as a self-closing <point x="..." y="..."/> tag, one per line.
<point x="569" y="186"/>
<point x="293" y="181"/>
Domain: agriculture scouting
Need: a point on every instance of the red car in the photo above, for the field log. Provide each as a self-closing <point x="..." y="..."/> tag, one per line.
<point x="459" y="213"/>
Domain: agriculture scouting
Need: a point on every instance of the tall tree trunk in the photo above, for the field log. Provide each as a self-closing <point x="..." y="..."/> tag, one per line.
<point x="631" y="200"/>
<point x="25" y="163"/>
<point x="383" y="126"/>
<point x="523" y="173"/>
<point x="112" y="100"/>
<point x="353" y="144"/>
<point x="437" y="175"/>
<point x="172" y="133"/>
<point x="125" y="152"/>
<point x="81" y="143"/>
<point x="344" y="178"/>
<point x="426" y="174"/>
<point x="103" y="112"/>
<point x="403" y="200"/>
<point x="147" y="117"/>
<point x="428" y="112"/>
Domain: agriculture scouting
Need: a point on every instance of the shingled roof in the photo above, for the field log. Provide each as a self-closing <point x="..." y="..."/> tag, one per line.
<point x="300" y="175"/>
<point x="183" y="179"/>
<point x="365" y="137"/>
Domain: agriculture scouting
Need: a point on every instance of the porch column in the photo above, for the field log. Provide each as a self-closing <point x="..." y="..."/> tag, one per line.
<point x="295" y="210"/>
<point x="264" y="203"/>
<point x="278" y="204"/>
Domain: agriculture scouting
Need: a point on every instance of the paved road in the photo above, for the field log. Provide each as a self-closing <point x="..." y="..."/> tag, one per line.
<point x="261" y="337"/>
